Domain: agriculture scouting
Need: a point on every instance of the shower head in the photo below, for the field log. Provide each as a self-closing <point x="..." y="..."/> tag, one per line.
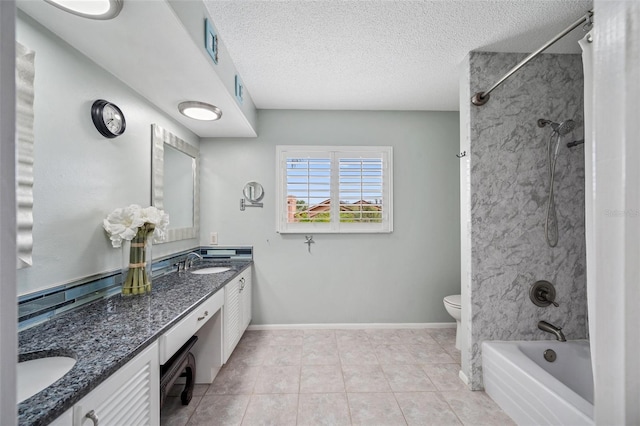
<point x="564" y="127"/>
<point x="561" y="128"/>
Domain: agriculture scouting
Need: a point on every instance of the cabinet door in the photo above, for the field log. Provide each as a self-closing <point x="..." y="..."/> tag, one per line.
<point x="131" y="396"/>
<point x="245" y="298"/>
<point x="232" y="317"/>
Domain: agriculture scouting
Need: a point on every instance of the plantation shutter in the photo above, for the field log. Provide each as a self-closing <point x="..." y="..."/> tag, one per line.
<point x="361" y="189"/>
<point x="334" y="189"/>
<point x="308" y="189"/>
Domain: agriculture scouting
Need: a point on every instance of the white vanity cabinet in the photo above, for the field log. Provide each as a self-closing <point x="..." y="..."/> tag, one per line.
<point x="245" y="300"/>
<point x="237" y="311"/>
<point x="178" y="335"/>
<point x="206" y="323"/>
<point x="64" y="420"/>
<point x="131" y="396"/>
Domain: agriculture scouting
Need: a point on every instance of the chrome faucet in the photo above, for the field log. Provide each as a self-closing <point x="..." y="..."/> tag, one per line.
<point x="550" y="328"/>
<point x="188" y="263"/>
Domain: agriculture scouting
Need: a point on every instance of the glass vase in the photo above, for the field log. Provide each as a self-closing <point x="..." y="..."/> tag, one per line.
<point x="137" y="261"/>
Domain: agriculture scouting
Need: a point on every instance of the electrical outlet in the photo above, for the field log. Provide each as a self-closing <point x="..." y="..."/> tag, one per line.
<point x="213" y="238"/>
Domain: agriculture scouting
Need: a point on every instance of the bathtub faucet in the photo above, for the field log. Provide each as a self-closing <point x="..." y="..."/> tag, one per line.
<point x="550" y="328"/>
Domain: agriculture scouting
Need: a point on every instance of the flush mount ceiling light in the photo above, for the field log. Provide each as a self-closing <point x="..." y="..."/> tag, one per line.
<point x="92" y="9"/>
<point x="200" y="111"/>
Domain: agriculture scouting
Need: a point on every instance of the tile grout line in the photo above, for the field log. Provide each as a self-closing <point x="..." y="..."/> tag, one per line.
<point x="453" y="411"/>
<point x="346" y="394"/>
<point x="194" y="411"/>
<point x="395" y="398"/>
<point x="299" y="385"/>
<point x="251" y="393"/>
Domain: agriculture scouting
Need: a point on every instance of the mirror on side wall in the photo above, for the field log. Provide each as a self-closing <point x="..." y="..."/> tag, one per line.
<point x="174" y="183"/>
<point x="25" y="76"/>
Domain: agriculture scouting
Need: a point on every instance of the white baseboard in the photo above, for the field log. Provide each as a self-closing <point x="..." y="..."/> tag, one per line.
<point x="349" y="326"/>
<point x="463" y="377"/>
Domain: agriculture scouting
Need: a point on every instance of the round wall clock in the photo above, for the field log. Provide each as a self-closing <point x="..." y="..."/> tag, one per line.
<point x="108" y="118"/>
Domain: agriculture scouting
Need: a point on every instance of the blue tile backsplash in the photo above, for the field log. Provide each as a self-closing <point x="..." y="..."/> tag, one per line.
<point x="37" y="307"/>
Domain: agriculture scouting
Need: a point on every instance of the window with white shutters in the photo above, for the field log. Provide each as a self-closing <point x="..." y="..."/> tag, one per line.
<point x="334" y="189"/>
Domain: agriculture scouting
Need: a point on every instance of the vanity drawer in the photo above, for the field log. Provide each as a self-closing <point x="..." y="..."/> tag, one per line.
<point x="173" y="339"/>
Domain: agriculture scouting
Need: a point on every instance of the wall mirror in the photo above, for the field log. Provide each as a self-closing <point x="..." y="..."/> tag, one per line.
<point x="175" y="183"/>
<point x="253" y="192"/>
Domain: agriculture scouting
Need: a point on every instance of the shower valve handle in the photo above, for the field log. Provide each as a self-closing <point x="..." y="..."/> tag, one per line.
<point x="544" y="294"/>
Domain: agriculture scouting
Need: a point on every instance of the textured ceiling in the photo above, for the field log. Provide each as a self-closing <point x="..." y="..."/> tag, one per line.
<point x="378" y="55"/>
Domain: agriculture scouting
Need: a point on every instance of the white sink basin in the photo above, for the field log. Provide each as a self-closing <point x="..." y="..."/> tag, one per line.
<point x="37" y="374"/>
<point x="211" y="270"/>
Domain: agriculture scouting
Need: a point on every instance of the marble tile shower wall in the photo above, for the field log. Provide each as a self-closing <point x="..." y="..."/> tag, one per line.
<point x="509" y="188"/>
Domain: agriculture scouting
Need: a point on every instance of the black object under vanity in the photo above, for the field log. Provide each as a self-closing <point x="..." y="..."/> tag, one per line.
<point x="182" y="364"/>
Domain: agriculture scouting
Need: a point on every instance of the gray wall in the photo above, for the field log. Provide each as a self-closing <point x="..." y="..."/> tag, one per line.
<point x="390" y="278"/>
<point x="80" y="176"/>
<point x="508" y="189"/>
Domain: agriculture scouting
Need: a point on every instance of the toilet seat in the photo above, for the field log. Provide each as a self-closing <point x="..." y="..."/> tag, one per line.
<point x="453" y="301"/>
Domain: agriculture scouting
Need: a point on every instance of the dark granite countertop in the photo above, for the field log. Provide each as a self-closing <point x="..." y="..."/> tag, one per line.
<point x="106" y="334"/>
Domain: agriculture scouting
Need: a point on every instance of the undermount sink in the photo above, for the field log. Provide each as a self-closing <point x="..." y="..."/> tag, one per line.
<point x="211" y="270"/>
<point x="36" y="374"/>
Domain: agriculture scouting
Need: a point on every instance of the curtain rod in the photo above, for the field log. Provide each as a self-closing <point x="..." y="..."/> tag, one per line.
<point x="481" y="98"/>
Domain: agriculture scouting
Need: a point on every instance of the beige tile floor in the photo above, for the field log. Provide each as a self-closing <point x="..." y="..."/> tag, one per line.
<point x="338" y="377"/>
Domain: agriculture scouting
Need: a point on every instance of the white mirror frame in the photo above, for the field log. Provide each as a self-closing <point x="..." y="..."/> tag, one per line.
<point x="25" y="74"/>
<point x="159" y="137"/>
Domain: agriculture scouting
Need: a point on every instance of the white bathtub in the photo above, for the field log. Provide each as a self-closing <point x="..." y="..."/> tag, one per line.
<point x="534" y="391"/>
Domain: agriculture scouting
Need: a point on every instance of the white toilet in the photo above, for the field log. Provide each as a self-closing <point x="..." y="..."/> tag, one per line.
<point x="452" y="305"/>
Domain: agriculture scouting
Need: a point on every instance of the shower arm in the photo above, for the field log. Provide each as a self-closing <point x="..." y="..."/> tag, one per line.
<point x="481" y="98"/>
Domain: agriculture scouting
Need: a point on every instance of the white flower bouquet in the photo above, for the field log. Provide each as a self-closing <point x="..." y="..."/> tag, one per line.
<point x="136" y="224"/>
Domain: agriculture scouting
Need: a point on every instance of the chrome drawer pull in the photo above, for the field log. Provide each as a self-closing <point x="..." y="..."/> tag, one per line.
<point x="92" y="415"/>
<point x="204" y="316"/>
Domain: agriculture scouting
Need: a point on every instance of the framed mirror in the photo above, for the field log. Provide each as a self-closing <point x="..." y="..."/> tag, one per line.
<point x="175" y="183"/>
